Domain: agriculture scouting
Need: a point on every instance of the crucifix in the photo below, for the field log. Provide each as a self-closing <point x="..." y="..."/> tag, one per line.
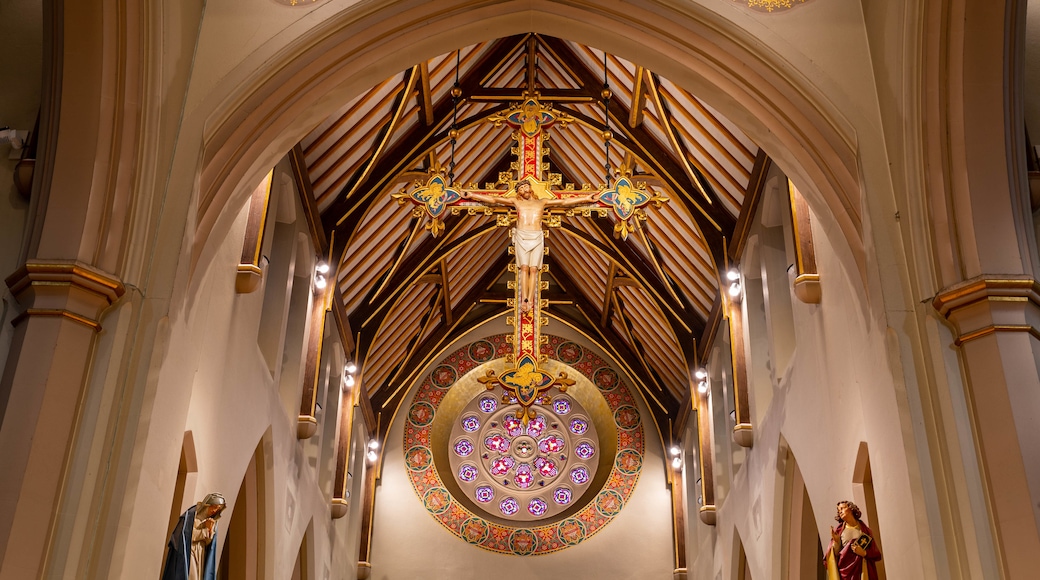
<point x="534" y="200"/>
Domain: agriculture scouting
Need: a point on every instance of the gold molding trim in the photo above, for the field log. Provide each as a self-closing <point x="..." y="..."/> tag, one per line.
<point x="72" y="273"/>
<point x="994" y="328"/>
<point x="977" y="290"/>
<point x="57" y="313"/>
<point x="707" y="514"/>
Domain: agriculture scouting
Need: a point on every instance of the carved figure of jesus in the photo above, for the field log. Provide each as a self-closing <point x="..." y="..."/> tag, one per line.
<point x="528" y="238"/>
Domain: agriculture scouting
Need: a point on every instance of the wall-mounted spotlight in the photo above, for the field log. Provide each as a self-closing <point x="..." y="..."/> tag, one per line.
<point x="372" y="456"/>
<point x="320" y="272"/>
<point x="701" y="374"/>
<point x="373" y="444"/>
<point x="733" y="275"/>
<point x="677" y="463"/>
<point x="675" y="451"/>
<point x="350" y="368"/>
<point x="702" y="387"/>
<point x="348" y="382"/>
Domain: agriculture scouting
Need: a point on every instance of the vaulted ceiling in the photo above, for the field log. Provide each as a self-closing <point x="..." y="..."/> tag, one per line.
<point x="405" y="294"/>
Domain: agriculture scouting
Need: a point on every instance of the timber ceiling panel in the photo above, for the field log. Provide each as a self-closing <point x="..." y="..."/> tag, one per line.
<point x="408" y="294"/>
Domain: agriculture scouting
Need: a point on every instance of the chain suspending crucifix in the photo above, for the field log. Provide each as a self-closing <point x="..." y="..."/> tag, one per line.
<point x="534" y="201"/>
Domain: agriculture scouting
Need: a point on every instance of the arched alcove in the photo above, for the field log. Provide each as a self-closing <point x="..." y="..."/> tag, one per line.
<point x="243" y="554"/>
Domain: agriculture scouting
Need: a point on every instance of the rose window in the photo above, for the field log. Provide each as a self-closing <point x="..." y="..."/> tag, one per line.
<point x="523" y="472"/>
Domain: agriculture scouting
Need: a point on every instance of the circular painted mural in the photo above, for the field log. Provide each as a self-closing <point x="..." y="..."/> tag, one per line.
<point x="516" y="488"/>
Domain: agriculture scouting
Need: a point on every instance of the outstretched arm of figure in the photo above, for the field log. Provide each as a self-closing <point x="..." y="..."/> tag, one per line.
<point x="569" y="201"/>
<point x="488" y="199"/>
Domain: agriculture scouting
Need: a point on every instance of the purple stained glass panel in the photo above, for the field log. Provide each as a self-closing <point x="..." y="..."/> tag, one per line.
<point x="524" y="476"/>
<point x="537" y="507"/>
<point x="488" y="404"/>
<point x="502" y="465"/>
<point x="547" y="468"/>
<point x="580" y="475"/>
<point x="485" y="493"/>
<point x="509" y="506"/>
<point x="536" y="426"/>
<point x="467" y="472"/>
<point x="585" y="450"/>
<point x="579" y="426"/>
<point x="513" y="425"/>
<point x="562" y="406"/>
<point x="562" y="495"/>
<point x="551" y="444"/>
<point x="497" y="442"/>
<point x="470" y="423"/>
<point x="463" y="447"/>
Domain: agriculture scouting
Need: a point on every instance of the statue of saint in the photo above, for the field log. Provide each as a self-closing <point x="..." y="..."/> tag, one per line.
<point x="192" y="553"/>
<point x="852" y="553"/>
<point x="528" y="238"/>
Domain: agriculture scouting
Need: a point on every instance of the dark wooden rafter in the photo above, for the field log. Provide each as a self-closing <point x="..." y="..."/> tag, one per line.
<point x="507" y="94"/>
<point x="425" y="96"/>
<point x="637" y="346"/>
<point x="612" y="342"/>
<point x="387" y="131"/>
<point x="345" y="214"/>
<point x="654" y="90"/>
<point x="420" y="353"/>
<point x="412" y="269"/>
<point x="635" y="115"/>
<point x="713" y="221"/>
<point x="609" y="337"/>
<point x="681" y="317"/>
<point x="532" y="62"/>
<point x="411" y="265"/>
<point x="679" y="313"/>
<point x="607" y="294"/>
<point x="369" y="315"/>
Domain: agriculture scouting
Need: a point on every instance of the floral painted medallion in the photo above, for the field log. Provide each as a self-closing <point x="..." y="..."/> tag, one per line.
<point x="526" y="489"/>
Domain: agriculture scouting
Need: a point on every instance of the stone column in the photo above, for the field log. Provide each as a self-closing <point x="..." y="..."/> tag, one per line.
<point x="40" y="394"/>
<point x="996" y="321"/>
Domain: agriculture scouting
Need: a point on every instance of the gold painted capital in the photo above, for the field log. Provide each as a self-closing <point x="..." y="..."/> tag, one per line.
<point x="66" y="272"/>
<point x="43" y="289"/>
<point x="971" y="292"/>
<point x="984" y="306"/>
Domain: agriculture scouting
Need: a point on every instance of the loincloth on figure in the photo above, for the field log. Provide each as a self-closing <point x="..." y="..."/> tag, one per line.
<point x="529" y="247"/>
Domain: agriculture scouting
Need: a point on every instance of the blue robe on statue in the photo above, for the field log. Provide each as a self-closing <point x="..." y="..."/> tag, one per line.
<point x="178" y="559"/>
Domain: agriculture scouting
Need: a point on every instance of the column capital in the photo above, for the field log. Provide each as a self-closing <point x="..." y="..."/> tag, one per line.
<point x="64" y="288"/>
<point x="991" y="303"/>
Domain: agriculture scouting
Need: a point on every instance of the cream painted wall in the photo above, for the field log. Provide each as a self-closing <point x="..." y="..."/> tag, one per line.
<point x="215" y="383"/>
<point x="409" y="543"/>
<point x="836" y="394"/>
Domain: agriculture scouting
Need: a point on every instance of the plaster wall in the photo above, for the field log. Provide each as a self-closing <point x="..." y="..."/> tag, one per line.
<point x="836" y="394"/>
<point x="409" y="543"/>
<point x="215" y="383"/>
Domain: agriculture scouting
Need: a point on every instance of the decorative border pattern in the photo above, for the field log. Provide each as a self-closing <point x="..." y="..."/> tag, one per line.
<point x="531" y="540"/>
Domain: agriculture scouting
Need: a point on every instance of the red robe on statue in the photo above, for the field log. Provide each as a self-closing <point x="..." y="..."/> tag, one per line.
<point x="850" y="566"/>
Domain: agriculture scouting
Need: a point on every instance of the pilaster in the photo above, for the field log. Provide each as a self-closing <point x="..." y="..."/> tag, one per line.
<point x="42" y="385"/>
<point x="996" y="320"/>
